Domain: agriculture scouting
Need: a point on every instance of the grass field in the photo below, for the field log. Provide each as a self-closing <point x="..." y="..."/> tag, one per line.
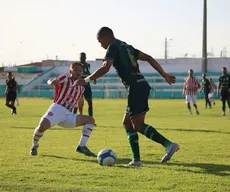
<point x="202" y="164"/>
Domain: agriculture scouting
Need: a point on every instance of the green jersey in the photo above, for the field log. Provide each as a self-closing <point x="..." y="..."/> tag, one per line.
<point x="206" y="85"/>
<point x="125" y="58"/>
<point x="86" y="69"/>
<point x="224" y="81"/>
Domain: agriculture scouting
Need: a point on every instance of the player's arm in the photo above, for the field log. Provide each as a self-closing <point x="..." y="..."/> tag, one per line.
<point x="202" y="87"/>
<point x="62" y="78"/>
<point x="145" y="57"/>
<point x="111" y="53"/>
<point x="53" y="81"/>
<point x="101" y="71"/>
<point x="6" y="90"/>
<point x="17" y="87"/>
<point x="218" y="87"/>
<point x="198" y="84"/>
<point x="184" y="88"/>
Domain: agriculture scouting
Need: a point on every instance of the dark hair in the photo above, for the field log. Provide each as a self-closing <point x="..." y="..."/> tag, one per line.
<point x="82" y="53"/>
<point x="72" y="65"/>
<point x="10" y="73"/>
<point x="105" y="31"/>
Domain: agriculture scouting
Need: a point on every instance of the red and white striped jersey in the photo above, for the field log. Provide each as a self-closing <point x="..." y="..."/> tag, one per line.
<point x="65" y="94"/>
<point x="191" y="84"/>
<point x="213" y="87"/>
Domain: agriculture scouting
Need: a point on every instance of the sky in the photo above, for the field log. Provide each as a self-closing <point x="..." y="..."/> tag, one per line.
<point x="37" y="30"/>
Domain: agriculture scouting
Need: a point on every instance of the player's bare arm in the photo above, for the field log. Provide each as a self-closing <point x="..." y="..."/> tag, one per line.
<point x="218" y="88"/>
<point x="98" y="73"/>
<point x="202" y="88"/>
<point x="144" y="57"/>
<point x="184" y="89"/>
<point x="53" y="81"/>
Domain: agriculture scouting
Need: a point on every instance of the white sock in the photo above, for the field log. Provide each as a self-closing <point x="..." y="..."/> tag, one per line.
<point x="36" y="137"/>
<point x="86" y="131"/>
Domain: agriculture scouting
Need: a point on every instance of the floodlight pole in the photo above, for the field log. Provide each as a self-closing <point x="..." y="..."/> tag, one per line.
<point x="204" y="46"/>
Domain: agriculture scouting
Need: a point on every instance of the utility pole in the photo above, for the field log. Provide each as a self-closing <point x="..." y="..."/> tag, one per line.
<point x="204" y="48"/>
<point x="166" y="48"/>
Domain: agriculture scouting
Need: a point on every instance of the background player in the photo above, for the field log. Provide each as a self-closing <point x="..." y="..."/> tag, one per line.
<point x="11" y="92"/>
<point x="60" y="112"/>
<point x="224" y="90"/>
<point x="124" y="59"/>
<point x="206" y="87"/>
<point x="211" y="95"/>
<point x="191" y="85"/>
<point x="88" y="91"/>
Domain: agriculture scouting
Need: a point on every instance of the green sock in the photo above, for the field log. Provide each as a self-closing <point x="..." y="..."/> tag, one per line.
<point x="152" y="134"/>
<point x="134" y="144"/>
<point x="90" y="113"/>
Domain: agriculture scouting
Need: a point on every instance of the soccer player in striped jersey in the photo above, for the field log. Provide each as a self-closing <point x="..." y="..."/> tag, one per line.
<point x="224" y="90"/>
<point x="60" y="112"/>
<point x="191" y="85"/>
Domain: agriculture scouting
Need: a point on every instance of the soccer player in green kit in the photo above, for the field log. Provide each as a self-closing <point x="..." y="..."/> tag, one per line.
<point x="88" y="91"/>
<point x="224" y="90"/>
<point x="206" y="87"/>
<point x="124" y="58"/>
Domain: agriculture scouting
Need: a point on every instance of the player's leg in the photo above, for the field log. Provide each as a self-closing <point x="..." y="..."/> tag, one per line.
<point x="187" y="101"/>
<point x="43" y="125"/>
<point x="207" y="101"/>
<point x="223" y="100"/>
<point x="194" y="98"/>
<point x="213" y="98"/>
<point x="88" y="123"/>
<point x="80" y="105"/>
<point x="88" y="98"/>
<point x="7" y="103"/>
<point x="151" y="133"/>
<point x="17" y="101"/>
<point x="138" y="106"/>
<point x="74" y="120"/>
<point x="54" y="115"/>
<point x="133" y="140"/>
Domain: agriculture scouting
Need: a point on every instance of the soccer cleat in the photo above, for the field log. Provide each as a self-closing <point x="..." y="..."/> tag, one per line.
<point x="223" y="113"/>
<point x="85" y="150"/>
<point x="170" y="150"/>
<point x="34" y="150"/>
<point x="13" y="112"/>
<point x="134" y="164"/>
<point x="197" y="112"/>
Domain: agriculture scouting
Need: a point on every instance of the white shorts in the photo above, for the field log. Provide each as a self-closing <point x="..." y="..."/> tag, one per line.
<point x="189" y="98"/>
<point x="211" y="95"/>
<point x="59" y="115"/>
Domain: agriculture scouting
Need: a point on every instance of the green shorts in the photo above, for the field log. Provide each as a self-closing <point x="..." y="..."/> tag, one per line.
<point x="88" y="92"/>
<point x="138" y="99"/>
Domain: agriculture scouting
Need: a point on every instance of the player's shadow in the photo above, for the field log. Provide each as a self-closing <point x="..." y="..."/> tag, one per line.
<point x="194" y="130"/>
<point x="90" y="159"/>
<point x="205" y="168"/>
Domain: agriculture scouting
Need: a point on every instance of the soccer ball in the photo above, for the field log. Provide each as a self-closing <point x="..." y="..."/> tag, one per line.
<point x="106" y="157"/>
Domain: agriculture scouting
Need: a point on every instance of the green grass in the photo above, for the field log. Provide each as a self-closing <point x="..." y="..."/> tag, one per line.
<point x="202" y="164"/>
